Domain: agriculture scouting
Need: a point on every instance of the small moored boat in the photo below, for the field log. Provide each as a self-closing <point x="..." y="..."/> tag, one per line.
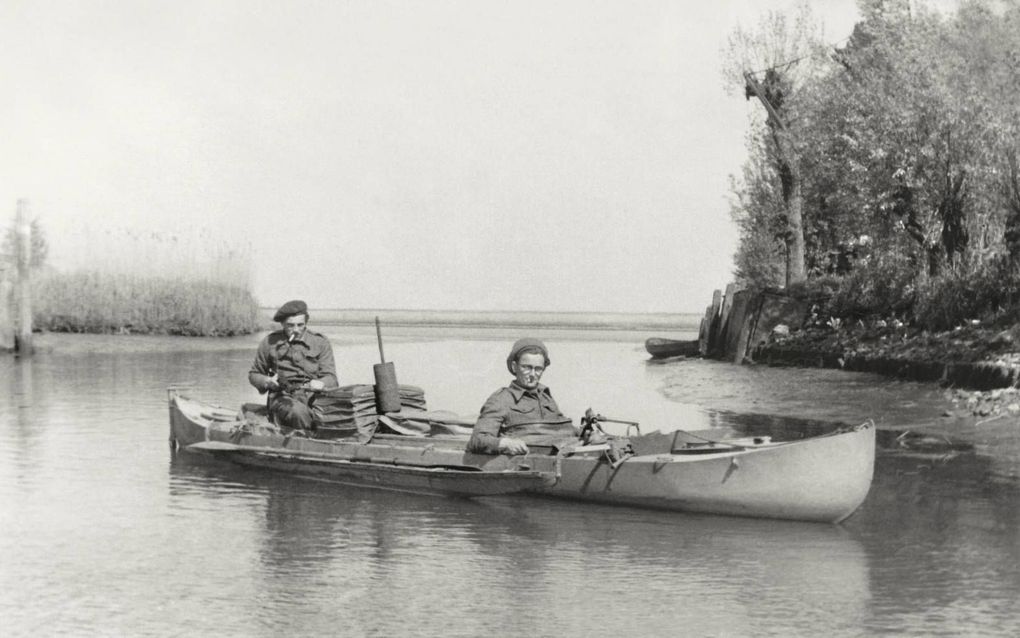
<point x="823" y="478"/>
<point x="661" y="348"/>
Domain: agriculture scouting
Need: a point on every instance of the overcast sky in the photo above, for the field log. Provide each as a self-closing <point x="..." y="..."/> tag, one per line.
<point x="470" y="154"/>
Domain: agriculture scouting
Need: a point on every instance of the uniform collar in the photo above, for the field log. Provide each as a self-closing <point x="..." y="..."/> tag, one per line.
<point x="518" y="391"/>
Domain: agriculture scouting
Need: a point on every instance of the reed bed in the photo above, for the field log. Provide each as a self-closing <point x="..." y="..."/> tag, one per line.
<point x="124" y="281"/>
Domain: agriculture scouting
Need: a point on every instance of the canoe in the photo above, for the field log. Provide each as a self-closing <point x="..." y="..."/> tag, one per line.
<point x="445" y="480"/>
<point x="661" y="348"/>
<point x="823" y="478"/>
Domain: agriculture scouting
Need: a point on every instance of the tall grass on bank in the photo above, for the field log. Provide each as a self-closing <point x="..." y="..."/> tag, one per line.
<point x="97" y="302"/>
<point x="122" y="281"/>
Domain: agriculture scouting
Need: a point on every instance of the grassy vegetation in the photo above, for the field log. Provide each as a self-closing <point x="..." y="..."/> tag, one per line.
<point x="116" y="281"/>
<point x="97" y="302"/>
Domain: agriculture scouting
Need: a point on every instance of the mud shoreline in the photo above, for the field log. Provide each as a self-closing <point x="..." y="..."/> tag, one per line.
<point x="979" y="369"/>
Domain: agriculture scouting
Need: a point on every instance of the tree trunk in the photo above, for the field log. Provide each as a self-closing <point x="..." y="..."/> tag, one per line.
<point x="1011" y="192"/>
<point x="789" y="172"/>
<point x="795" y="219"/>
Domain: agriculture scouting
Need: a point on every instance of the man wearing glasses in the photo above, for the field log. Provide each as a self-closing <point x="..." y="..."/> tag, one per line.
<point x="292" y="364"/>
<point x="523" y="412"/>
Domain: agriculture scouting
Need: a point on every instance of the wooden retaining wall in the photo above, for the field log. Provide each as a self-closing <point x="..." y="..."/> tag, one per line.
<point x="739" y="320"/>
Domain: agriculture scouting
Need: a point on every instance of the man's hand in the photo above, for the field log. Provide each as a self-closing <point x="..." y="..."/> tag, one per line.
<point x="511" y="446"/>
<point x="272" y="384"/>
<point x="315" y="385"/>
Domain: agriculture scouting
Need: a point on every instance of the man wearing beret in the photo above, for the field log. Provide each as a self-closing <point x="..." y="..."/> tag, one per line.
<point x="523" y="412"/>
<point x="292" y="364"/>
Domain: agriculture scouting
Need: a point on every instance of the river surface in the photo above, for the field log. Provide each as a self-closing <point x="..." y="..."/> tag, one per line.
<point x="104" y="533"/>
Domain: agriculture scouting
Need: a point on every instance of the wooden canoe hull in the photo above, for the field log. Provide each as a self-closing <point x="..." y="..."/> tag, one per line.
<point x="405" y="478"/>
<point x="821" y="479"/>
<point x="661" y="348"/>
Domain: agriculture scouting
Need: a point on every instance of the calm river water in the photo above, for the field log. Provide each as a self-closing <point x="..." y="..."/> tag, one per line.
<point x="102" y="532"/>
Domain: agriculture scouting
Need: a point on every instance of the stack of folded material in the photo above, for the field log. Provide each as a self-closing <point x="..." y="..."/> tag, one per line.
<point x="349" y="411"/>
<point x="424" y="423"/>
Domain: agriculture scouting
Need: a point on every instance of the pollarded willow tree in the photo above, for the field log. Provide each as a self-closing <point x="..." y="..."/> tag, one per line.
<point x="774" y="64"/>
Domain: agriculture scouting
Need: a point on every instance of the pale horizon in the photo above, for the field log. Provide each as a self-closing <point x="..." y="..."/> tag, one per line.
<point x="462" y="155"/>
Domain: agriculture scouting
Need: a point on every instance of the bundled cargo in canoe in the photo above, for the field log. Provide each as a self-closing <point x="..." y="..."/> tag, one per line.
<point x="823" y="478"/>
<point x="351" y="410"/>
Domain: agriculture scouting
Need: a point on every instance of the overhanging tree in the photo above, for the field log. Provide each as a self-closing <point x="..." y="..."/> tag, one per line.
<point x="772" y="64"/>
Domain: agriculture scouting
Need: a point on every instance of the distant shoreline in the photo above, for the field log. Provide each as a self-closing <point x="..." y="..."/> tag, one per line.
<point x="671" y="322"/>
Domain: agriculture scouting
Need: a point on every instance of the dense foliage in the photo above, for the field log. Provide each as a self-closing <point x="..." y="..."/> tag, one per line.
<point x="907" y="137"/>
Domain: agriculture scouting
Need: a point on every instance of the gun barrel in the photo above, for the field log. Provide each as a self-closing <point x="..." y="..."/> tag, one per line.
<point x="611" y="420"/>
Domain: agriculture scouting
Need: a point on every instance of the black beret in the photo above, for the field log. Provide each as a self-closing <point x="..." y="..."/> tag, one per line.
<point x="521" y="344"/>
<point x="291" y="308"/>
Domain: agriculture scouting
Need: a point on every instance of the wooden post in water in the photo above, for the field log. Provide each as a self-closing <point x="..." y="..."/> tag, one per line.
<point x="714" y="327"/>
<point x="23" y="230"/>
<point x="6" y="313"/>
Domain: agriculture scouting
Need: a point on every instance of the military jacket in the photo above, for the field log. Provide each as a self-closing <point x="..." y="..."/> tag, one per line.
<point x="307" y="357"/>
<point x="530" y="415"/>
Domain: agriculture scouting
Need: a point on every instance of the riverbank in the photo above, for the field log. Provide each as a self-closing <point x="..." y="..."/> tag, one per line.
<point x="979" y="366"/>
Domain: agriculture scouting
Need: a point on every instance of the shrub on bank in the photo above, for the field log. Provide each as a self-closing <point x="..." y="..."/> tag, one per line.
<point x="91" y="301"/>
<point x="883" y="286"/>
<point x="987" y="294"/>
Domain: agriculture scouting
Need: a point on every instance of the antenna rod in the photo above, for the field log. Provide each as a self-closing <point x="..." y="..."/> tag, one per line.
<point x="378" y="336"/>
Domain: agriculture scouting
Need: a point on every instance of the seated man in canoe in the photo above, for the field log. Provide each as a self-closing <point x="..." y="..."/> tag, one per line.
<point x="524" y="411"/>
<point x="292" y="364"/>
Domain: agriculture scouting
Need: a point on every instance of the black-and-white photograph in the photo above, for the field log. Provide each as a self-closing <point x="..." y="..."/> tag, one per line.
<point x="474" y="318"/>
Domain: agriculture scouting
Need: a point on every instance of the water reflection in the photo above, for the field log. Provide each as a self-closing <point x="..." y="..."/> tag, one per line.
<point x="949" y="537"/>
<point x="945" y="534"/>
<point x="561" y="560"/>
<point x="27" y="413"/>
<point x="830" y="395"/>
